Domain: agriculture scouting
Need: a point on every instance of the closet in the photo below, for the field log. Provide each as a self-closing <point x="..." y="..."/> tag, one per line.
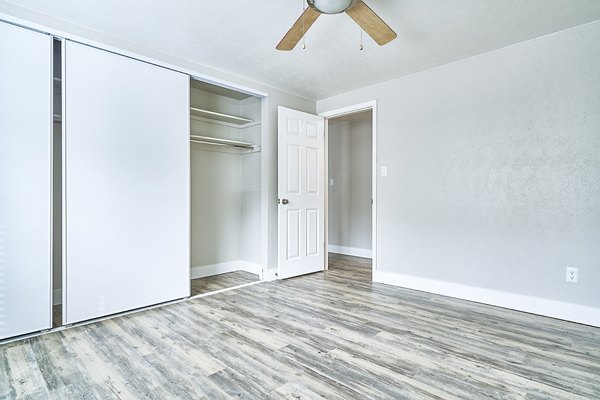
<point x="123" y="183"/>
<point x="225" y="136"/>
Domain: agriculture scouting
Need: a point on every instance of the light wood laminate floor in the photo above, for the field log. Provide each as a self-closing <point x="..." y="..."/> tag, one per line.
<point x="222" y="281"/>
<point x="333" y="334"/>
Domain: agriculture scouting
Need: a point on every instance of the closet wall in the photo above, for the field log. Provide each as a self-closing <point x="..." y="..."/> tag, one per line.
<point x="57" y="175"/>
<point x="225" y="180"/>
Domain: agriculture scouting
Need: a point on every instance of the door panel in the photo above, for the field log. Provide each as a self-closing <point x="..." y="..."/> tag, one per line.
<point x="25" y="181"/>
<point x="293" y="182"/>
<point x="312" y="171"/>
<point x="293" y="236"/>
<point x="312" y="232"/>
<point x="301" y="193"/>
<point x="126" y="184"/>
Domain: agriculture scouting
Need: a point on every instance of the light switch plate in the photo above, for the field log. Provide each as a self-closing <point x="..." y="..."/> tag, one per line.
<point x="384" y="171"/>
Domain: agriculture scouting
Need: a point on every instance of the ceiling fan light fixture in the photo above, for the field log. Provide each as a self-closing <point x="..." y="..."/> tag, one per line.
<point x="330" y="6"/>
<point x="361" y="13"/>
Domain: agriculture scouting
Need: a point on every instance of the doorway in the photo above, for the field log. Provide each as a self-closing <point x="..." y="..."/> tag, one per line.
<point x="351" y="184"/>
<point x="303" y="186"/>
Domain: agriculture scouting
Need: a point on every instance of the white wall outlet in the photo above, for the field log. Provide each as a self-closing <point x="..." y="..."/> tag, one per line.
<point x="383" y="171"/>
<point x="572" y="275"/>
<point x="331" y="182"/>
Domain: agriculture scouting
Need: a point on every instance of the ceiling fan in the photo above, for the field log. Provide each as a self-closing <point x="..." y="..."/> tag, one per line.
<point x="356" y="9"/>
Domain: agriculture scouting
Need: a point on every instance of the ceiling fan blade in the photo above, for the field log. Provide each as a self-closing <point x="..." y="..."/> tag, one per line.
<point x="371" y="23"/>
<point x="293" y="36"/>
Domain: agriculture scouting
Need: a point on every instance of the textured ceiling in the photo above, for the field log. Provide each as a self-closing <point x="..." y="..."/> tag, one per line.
<point x="239" y="36"/>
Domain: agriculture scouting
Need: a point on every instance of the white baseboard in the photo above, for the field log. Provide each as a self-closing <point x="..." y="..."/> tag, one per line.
<point x="271" y="274"/>
<point x="215" y="269"/>
<point x="549" y="308"/>
<point x="56" y="297"/>
<point x="350" y="251"/>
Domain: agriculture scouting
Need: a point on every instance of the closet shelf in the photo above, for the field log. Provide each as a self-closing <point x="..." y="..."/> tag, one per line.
<point x="212" y="115"/>
<point x="221" y="142"/>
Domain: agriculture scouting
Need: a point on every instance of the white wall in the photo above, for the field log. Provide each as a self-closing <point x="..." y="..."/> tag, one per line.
<point x="216" y="206"/>
<point x="251" y="186"/>
<point x="349" y="165"/>
<point x="494" y="175"/>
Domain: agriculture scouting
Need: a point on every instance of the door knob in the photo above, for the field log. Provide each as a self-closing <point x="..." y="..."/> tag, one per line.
<point x="285" y="201"/>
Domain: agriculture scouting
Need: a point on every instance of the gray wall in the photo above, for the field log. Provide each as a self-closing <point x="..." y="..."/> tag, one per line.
<point x="349" y="163"/>
<point x="494" y="168"/>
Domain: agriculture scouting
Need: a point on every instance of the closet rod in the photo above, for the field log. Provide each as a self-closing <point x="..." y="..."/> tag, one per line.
<point x="220" y="116"/>
<point x="220" y="142"/>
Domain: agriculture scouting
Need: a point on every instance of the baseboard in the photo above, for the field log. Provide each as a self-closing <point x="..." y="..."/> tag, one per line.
<point x="548" y="308"/>
<point x="215" y="269"/>
<point x="350" y="251"/>
<point x="56" y="297"/>
<point x="272" y="275"/>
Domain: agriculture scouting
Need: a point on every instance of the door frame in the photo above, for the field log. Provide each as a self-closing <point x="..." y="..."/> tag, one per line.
<point x="339" y="112"/>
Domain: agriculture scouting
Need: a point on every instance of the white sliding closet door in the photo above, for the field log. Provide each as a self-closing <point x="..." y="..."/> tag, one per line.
<point x="25" y="181"/>
<point x="126" y="183"/>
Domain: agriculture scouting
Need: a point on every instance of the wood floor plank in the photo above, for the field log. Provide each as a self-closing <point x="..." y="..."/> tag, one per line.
<point x="331" y="335"/>
<point x="222" y="281"/>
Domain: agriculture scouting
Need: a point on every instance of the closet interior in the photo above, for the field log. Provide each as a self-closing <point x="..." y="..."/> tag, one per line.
<point x="225" y="162"/>
<point x="57" y="184"/>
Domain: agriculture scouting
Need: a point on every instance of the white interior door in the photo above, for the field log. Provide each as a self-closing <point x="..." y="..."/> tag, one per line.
<point x="25" y="181"/>
<point x="126" y="183"/>
<point x="301" y="191"/>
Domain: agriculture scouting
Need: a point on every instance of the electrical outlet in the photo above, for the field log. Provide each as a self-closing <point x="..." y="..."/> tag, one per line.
<point x="572" y="275"/>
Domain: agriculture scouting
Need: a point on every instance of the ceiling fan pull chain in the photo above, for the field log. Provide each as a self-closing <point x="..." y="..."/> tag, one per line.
<point x="361" y="43"/>
<point x="303" y="31"/>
